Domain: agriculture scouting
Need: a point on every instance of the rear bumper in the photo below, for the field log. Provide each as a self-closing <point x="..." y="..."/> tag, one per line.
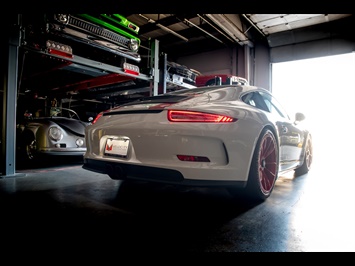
<point x="121" y="171"/>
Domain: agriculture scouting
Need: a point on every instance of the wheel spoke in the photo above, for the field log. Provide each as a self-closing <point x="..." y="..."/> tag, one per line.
<point x="267" y="167"/>
<point x="267" y="177"/>
<point x="269" y="147"/>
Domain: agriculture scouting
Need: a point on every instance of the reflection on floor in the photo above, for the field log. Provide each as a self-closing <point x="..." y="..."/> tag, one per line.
<point x="60" y="202"/>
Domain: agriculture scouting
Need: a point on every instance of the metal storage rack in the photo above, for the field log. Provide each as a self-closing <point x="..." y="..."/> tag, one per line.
<point x="159" y="81"/>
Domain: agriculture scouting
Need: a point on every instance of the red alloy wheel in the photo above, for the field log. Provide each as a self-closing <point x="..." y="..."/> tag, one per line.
<point x="267" y="163"/>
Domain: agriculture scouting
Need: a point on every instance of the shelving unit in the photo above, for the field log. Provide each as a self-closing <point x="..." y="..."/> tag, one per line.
<point x="95" y="74"/>
<point x="102" y="74"/>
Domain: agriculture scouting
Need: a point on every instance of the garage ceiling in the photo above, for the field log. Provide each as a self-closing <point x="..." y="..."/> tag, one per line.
<point x="186" y="34"/>
<point x="273" y="23"/>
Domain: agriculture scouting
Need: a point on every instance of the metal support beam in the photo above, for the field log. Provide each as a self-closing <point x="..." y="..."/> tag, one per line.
<point x="163" y="73"/>
<point x="10" y="101"/>
<point x="155" y="60"/>
<point x="248" y="64"/>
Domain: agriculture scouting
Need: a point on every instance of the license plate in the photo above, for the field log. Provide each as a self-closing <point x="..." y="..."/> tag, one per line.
<point x="117" y="147"/>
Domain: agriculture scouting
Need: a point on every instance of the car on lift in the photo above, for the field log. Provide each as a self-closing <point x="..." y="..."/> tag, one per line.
<point x="181" y="73"/>
<point x="60" y="133"/>
<point x="109" y="38"/>
<point x="235" y="136"/>
<point x="219" y="79"/>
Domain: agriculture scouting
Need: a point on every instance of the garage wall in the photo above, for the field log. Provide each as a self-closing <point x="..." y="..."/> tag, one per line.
<point x="222" y="61"/>
<point x="261" y="66"/>
<point x="250" y="63"/>
<point x="218" y="61"/>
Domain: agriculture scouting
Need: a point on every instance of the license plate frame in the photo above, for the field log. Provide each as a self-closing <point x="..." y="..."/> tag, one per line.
<point x="117" y="147"/>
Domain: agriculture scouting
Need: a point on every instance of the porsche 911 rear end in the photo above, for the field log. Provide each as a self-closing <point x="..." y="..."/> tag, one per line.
<point x="170" y="145"/>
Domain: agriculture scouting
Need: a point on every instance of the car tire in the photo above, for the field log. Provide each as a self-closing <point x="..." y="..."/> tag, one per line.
<point x="307" y="160"/>
<point x="28" y="147"/>
<point x="264" y="167"/>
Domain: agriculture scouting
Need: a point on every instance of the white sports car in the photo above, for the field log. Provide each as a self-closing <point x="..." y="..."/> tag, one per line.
<point x="236" y="136"/>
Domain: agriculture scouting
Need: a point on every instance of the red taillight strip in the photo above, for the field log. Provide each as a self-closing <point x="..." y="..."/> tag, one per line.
<point x="189" y="116"/>
<point x="128" y="71"/>
<point x="61" y="53"/>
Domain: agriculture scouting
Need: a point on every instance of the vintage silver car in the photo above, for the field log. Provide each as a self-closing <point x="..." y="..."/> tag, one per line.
<point x="60" y="133"/>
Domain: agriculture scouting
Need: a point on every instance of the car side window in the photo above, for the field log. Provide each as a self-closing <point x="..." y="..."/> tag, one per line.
<point x="247" y="98"/>
<point x="273" y="105"/>
<point x="255" y="99"/>
<point x="265" y="102"/>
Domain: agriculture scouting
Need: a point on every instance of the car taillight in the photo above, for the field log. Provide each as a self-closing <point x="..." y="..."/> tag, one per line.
<point x="189" y="116"/>
<point x="130" y="69"/>
<point x="97" y="118"/>
<point x="59" y="49"/>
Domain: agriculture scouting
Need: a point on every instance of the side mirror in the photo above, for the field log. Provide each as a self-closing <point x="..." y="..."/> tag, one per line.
<point x="299" y="117"/>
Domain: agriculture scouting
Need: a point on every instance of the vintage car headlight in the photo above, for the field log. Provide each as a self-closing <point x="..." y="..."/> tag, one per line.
<point x="55" y="133"/>
<point x="79" y="142"/>
<point x="133" y="45"/>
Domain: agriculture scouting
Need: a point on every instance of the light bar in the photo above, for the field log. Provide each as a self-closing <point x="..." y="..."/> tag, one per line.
<point x="189" y="116"/>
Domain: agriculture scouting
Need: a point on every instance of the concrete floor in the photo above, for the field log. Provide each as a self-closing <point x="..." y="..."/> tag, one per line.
<point x="60" y="202"/>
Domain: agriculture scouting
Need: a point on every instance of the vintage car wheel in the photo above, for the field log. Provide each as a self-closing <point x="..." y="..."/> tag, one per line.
<point x="31" y="150"/>
<point x="28" y="147"/>
<point x="308" y="158"/>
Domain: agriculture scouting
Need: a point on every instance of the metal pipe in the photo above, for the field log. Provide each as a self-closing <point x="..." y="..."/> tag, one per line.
<point x="252" y="23"/>
<point x="209" y="23"/>
<point x="189" y="22"/>
<point x="216" y="21"/>
<point x="164" y="28"/>
<point x="172" y="32"/>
